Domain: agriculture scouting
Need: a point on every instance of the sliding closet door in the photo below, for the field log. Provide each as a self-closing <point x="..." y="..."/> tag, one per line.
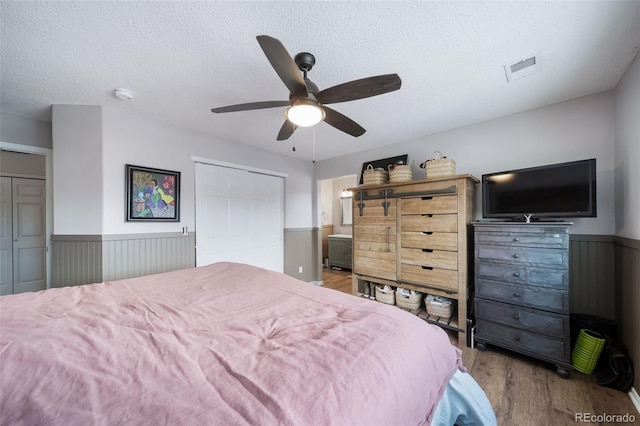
<point x="239" y="217"/>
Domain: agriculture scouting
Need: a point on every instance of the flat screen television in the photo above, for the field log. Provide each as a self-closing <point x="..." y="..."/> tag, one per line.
<point x="563" y="190"/>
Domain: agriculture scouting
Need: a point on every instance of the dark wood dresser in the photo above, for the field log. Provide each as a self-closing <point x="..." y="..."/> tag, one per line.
<point x="522" y="289"/>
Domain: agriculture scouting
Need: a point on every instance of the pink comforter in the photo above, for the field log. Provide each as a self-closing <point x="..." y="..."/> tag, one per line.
<point x="222" y="344"/>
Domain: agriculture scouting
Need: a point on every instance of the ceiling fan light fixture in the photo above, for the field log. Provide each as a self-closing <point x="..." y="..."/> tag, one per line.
<point x="305" y="113"/>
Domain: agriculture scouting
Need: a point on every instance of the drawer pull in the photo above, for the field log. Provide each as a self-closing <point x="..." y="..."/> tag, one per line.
<point x="517" y="337"/>
<point x="427" y="232"/>
<point x="427" y="250"/>
<point x="426" y="198"/>
<point x="516" y="256"/>
<point x="388" y="238"/>
<point x="428" y="268"/>
<point x="516" y="294"/>
<point x="427" y="215"/>
<point x="516" y="274"/>
<point x="516" y="316"/>
<point x="516" y="239"/>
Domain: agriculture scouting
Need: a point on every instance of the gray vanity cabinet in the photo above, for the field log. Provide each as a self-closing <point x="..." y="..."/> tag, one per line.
<point x="340" y="251"/>
<point x="522" y="289"/>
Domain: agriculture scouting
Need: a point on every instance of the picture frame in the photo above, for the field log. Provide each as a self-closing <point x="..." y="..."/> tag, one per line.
<point x="152" y="195"/>
<point x="383" y="163"/>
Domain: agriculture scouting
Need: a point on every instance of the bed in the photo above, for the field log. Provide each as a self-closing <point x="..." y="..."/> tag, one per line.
<point x="225" y="344"/>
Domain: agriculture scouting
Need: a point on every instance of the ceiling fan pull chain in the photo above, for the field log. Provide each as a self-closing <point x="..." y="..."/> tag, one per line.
<point x="314" y="145"/>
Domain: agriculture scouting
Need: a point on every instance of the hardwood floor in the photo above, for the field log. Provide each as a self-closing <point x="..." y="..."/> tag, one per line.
<point x="524" y="391"/>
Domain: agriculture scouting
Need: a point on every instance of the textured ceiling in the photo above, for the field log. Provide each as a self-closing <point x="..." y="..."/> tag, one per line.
<point x="180" y="59"/>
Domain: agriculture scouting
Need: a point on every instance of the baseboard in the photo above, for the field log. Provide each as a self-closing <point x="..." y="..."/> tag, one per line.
<point x="635" y="398"/>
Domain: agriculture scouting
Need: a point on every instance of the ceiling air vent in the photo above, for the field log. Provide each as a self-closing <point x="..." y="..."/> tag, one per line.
<point x="520" y="69"/>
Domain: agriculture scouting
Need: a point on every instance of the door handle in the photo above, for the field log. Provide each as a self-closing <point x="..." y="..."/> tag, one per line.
<point x="388" y="238"/>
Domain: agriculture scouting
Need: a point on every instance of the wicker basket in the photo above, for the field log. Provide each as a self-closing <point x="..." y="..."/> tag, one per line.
<point x="385" y="295"/>
<point x="400" y="173"/>
<point x="442" y="166"/>
<point x="408" y="299"/>
<point x="373" y="176"/>
<point x="438" y="306"/>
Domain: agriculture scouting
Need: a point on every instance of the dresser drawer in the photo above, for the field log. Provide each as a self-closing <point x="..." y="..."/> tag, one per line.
<point x="435" y="258"/>
<point x="534" y="297"/>
<point x="551" y="258"/>
<point x="433" y="204"/>
<point x="429" y="222"/>
<point x="429" y="276"/>
<point x="430" y="240"/>
<point x="532" y="320"/>
<point x="523" y="341"/>
<point x="518" y="239"/>
<point x="541" y="277"/>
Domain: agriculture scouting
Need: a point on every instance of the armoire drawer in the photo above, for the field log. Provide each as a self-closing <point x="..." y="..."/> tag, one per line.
<point x="549" y="258"/>
<point x="542" y="277"/>
<point x="432" y="204"/>
<point x="523" y="341"/>
<point x="534" y="297"/>
<point x="532" y="320"/>
<point x="429" y="276"/>
<point x="436" y="258"/>
<point x="430" y="240"/>
<point x="429" y="222"/>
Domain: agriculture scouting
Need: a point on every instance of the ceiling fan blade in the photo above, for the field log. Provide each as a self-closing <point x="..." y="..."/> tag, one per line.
<point x="284" y="65"/>
<point x="358" y="89"/>
<point x="251" y="105"/>
<point x="341" y="122"/>
<point x="286" y="130"/>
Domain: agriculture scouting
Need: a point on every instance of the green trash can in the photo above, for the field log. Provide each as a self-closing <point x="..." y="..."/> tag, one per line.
<point x="587" y="350"/>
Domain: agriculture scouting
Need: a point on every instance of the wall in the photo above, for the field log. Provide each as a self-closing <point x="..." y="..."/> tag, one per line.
<point x="136" y="140"/>
<point x="340" y="184"/>
<point x="92" y="144"/>
<point x="20" y="164"/>
<point x="24" y="131"/>
<point x="627" y="153"/>
<point x="326" y="201"/>
<point x="573" y="130"/>
<point x="627" y="239"/>
<point x="77" y="170"/>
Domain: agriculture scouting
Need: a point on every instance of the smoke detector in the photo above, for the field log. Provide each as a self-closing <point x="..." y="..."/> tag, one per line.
<point x="520" y="69"/>
<point x="123" y="94"/>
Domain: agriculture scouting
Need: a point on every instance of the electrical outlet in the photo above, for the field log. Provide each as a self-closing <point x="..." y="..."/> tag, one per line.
<point x="299" y="269"/>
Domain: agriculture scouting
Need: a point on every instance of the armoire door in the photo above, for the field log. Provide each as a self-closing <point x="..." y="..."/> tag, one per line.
<point x="239" y="217"/>
<point x="22" y="235"/>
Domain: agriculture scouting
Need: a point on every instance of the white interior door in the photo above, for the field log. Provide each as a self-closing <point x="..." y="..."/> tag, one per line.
<point x="6" y="237"/>
<point x="22" y="235"/>
<point x="29" y="235"/>
<point x="239" y="217"/>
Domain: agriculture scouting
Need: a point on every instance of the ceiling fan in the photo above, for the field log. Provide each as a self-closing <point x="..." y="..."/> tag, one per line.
<point x="307" y="104"/>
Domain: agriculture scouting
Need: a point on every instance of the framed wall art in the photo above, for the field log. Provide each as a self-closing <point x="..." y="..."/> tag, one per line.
<point x="151" y="194"/>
